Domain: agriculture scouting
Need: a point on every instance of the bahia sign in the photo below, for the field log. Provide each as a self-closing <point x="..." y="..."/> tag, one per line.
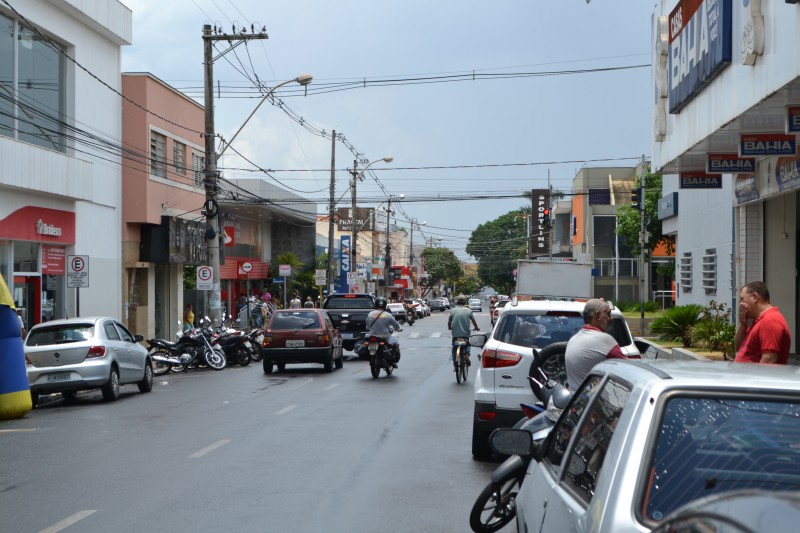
<point x="730" y="164"/>
<point x="699" y="47"/>
<point x="767" y="144"/>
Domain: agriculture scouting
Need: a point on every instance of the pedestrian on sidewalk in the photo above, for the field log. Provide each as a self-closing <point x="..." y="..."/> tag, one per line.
<point x="763" y="334"/>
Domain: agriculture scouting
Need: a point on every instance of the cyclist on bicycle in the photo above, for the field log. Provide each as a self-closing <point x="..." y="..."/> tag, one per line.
<point x="458" y="323"/>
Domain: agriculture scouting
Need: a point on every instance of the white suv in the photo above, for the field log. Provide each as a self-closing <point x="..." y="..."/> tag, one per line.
<point x="502" y="381"/>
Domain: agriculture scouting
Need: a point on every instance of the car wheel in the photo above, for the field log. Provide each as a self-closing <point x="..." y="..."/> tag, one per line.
<point x="551" y="361"/>
<point x="340" y="360"/>
<point x="480" y="445"/>
<point x="34" y="399"/>
<point x="146" y="385"/>
<point x="329" y="362"/>
<point x="111" y="389"/>
<point x="268" y="366"/>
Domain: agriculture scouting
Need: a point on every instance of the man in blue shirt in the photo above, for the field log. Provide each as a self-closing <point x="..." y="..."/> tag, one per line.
<point x="458" y="324"/>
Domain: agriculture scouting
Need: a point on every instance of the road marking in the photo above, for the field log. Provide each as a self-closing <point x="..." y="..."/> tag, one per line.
<point x="414" y="335"/>
<point x="436" y="334"/>
<point x="21" y="430"/>
<point x="209" y="449"/>
<point x="68" y="521"/>
<point x="331" y="387"/>
<point x="286" y="409"/>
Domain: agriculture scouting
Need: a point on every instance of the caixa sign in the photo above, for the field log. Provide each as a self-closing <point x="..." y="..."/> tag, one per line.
<point x="345" y="253"/>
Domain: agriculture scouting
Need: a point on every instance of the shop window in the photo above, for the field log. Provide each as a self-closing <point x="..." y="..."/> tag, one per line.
<point x="198" y="166"/>
<point x="26" y="256"/>
<point x="710" y="271"/>
<point x="158" y="157"/>
<point x="179" y="157"/>
<point x="32" y="87"/>
<point x="686" y="272"/>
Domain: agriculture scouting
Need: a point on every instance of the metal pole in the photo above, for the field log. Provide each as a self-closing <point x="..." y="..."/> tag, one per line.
<point x="210" y="181"/>
<point x="411" y="263"/>
<point x="386" y="259"/>
<point x="354" y="228"/>
<point x="642" y="242"/>
<point x="331" y="213"/>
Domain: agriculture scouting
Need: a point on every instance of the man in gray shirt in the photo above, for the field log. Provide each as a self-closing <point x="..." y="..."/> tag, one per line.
<point x="591" y="344"/>
<point x="458" y="323"/>
<point x="381" y="323"/>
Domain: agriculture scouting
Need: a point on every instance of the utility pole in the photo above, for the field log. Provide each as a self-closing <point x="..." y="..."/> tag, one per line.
<point x="331" y="213"/>
<point x="354" y="228"/>
<point x="387" y="261"/>
<point x="212" y="235"/>
<point x="642" y="244"/>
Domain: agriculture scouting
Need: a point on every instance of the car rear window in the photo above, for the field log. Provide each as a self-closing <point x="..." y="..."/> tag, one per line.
<point x="712" y="445"/>
<point x="60" y="334"/>
<point x="350" y="302"/>
<point x="537" y="329"/>
<point x="295" y="320"/>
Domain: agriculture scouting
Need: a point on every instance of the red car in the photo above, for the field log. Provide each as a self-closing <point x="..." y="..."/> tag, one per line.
<point x="301" y="336"/>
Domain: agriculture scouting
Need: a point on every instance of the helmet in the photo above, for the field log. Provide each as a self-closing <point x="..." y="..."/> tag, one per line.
<point x="461" y="300"/>
<point x="380" y="302"/>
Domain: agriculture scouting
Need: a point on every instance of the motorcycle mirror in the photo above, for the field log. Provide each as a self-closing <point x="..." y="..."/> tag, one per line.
<point x="511" y="441"/>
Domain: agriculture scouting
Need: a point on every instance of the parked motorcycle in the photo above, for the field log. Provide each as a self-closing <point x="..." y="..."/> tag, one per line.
<point x="256" y="336"/>
<point x="192" y="348"/>
<point x="496" y="505"/>
<point x="235" y="344"/>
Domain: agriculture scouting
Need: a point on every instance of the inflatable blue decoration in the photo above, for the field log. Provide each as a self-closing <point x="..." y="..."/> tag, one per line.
<point x="15" y="394"/>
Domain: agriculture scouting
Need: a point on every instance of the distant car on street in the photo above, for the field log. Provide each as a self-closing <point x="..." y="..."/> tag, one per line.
<point x="75" y="354"/>
<point x="398" y="311"/>
<point x="437" y="304"/>
<point x="301" y="336"/>
<point x="475" y="304"/>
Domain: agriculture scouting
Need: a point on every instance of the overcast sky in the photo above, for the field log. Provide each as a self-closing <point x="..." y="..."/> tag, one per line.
<point x="519" y="120"/>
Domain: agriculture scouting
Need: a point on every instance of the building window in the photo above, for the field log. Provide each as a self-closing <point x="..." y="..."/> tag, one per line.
<point x="710" y="271"/>
<point x="158" y="155"/>
<point x="599" y="197"/>
<point x="32" y="87"/>
<point x="686" y="272"/>
<point x="179" y="157"/>
<point x="198" y="165"/>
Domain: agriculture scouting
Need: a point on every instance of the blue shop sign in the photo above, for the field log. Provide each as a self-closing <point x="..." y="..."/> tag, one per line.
<point x="787" y="173"/>
<point x="699" y="47"/>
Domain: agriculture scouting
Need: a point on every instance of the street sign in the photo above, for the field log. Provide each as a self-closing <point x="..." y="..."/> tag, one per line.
<point x="284" y="270"/>
<point x="204" y="278"/>
<point x="77" y="271"/>
<point x="247" y="267"/>
<point x="278" y="280"/>
<point x="351" y="277"/>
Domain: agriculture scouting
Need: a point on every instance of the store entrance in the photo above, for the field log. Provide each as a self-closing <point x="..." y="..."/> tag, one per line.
<point x="27" y="298"/>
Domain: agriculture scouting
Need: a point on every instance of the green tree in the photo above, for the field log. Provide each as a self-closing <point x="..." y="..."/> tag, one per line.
<point x="294" y="283"/>
<point x="497" y="245"/>
<point x="441" y="265"/>
<point x="629" y="219"/>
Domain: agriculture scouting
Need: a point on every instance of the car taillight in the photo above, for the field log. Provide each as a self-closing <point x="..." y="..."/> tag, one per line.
<point x="499" y="359"/>
<point x="267" y="340"/>
<point x="96" y="351"/>
<point x="323" y="339"/>
<point x="487" y="415"/>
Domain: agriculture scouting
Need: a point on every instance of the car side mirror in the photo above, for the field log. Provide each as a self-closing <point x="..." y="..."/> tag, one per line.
<point x="511" y="442"/>
<point x="138" y="338"/>
<point x="478" y="340"/>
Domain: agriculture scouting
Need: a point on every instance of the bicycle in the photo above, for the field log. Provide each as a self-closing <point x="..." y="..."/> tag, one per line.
<point x="461" y="367"/>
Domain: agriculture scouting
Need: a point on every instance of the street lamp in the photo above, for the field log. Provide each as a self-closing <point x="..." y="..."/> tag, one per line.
<point x="356" y="177"/>
<point x="387" y="261"/>
<point x="211" y="187"/>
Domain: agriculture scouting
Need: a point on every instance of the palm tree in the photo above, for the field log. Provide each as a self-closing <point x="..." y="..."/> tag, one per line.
<point x="295" y="282"/>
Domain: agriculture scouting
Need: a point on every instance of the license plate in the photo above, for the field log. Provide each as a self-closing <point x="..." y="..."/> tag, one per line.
<point x="347" y="335"/>
<point x="58" y="376"/>
<point x="295" y="344"/>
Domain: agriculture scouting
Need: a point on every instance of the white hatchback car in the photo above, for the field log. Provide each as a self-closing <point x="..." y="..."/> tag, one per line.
<point x="502" y="381"/>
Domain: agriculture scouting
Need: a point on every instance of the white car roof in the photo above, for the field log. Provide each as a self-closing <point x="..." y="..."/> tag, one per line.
<point x="551" y="305"/>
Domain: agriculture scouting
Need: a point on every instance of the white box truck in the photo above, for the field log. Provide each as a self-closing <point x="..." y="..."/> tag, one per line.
<point x="553" y="279"/>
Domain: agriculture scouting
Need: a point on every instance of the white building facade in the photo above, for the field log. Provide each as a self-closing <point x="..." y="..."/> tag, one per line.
<point x="726" y="115"/>
<point x="60" y="163"/>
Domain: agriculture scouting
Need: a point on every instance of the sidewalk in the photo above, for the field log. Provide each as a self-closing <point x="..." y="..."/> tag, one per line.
<point x="656" y="351"/>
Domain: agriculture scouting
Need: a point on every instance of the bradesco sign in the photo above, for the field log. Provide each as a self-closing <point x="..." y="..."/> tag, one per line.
<point x="699" y="47"/>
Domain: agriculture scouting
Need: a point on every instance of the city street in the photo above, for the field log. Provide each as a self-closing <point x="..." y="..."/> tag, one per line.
<point x="238" y="450"/>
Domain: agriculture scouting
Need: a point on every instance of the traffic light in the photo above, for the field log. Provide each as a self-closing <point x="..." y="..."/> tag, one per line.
<point x="637" y="198"/>
<point x="546" y="217"/>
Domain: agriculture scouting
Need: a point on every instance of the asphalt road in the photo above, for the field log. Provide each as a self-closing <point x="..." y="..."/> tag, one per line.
<point x="241" y="451"/>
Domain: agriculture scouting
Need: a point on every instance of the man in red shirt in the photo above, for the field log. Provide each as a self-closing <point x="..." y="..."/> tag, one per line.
<point x="766" y="339"/>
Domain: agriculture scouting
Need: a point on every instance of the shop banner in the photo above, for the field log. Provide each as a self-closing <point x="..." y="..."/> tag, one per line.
<point x="787" y="173"/>
<point x="53" y="260"/>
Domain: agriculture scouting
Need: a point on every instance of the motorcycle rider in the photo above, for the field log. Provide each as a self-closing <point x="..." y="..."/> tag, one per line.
<point x="458" y="323"/>
<point x="379" y="322"/>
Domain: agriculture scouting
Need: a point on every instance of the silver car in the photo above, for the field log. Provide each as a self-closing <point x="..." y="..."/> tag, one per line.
<point x="76" y="354"/>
